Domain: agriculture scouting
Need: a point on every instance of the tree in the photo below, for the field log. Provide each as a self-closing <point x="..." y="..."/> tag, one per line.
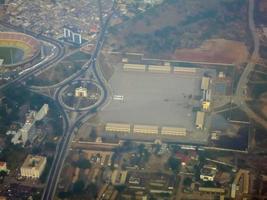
<point x="64" y="195"/>
<point x="83" y="163"/>
<point x="174" y="164"/>
<point x="120" y="188"/>
<point x="187" y="182"/>
<point x="93" y="134"/>
<point x="78" y="187"/>
<point x="92" y="190"/>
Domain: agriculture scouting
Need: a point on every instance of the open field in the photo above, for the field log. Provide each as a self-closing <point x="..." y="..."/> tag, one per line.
<point x="182" y="24"/>
<point x="215" y="51"/>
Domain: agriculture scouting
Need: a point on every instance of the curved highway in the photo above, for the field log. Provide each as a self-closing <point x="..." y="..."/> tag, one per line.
<point x="62" y="149"/>
<point x="56" y="55"/>
<point x="240" y="95"/>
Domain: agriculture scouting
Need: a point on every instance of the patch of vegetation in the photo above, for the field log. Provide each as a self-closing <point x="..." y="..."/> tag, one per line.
<point x="195" y="22"/>
<point x="80" y="191"/>
<point x="82" y="163"/>
<point x="61" y="71"/>
<point x="174" y="164"/>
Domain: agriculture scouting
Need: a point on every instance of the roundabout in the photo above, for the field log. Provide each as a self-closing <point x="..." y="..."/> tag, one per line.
<point x="81" y="95"/>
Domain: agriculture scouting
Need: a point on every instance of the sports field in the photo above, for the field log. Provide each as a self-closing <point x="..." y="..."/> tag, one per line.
<point x="11" y="55"/>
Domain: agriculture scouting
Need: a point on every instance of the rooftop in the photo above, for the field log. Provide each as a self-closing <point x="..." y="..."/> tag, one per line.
<point x="34" y="161"/>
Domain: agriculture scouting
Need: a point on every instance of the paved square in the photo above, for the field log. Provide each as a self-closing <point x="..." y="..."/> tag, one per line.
<point x="153" y="98"/>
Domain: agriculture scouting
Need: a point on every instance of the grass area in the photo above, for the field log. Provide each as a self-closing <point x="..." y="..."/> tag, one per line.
<point x="183" y="24"/>
<point x="11" y="55"/>
<point x="61" y="71"/>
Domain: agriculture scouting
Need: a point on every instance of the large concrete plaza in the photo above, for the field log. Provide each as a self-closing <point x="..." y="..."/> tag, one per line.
<point x="153" y="98"/>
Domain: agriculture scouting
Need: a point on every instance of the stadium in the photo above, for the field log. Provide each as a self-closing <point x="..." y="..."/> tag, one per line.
<point x="18" y="50"/>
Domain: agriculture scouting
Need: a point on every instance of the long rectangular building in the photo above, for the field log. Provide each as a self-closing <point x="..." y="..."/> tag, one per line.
<point x="118" y="127"/>
<point x="145" y="129"/>
<point x="211" y="190"/>
<point x="191" y="70"/>
<point x="134" y="67"/>
<point x="205" y="83"/>
<point x="200" y="120"/>
<point x="175" y="131"/>
<point x="159" y="68"/>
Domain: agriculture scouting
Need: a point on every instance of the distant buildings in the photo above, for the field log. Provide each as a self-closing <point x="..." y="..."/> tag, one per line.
<point x="81" y="92"/>
<point x="33" y="166"/>
<point x="208" y="173"/>
<point x="72" y="35"/>
<point x="27" y="131"/>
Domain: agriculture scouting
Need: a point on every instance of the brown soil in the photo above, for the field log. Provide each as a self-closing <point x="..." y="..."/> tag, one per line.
<point x="215" y="51"/>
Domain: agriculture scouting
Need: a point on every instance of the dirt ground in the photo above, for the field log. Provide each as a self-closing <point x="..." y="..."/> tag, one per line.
<point x="216" y="50"/>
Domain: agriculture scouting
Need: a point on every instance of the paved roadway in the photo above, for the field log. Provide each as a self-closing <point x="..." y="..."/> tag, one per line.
<point x="58" y="53"/>
<point x="241" y="91"/>
<point x="71" y="127"/>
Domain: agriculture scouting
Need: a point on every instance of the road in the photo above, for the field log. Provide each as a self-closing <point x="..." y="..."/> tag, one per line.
<point x="71" y="127"/>
<point x="241" y="91"/>
<point x="58" y="53"/>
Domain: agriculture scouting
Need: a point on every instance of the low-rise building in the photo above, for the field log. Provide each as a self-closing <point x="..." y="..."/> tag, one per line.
<point x="33" y="166"/>
<point x="200" y="120"/>
<point x="118" y="127"/>
<point x="205" y="83"/>
<point x="174" y="131"/>
<point x="159" y="68"/>
<point x="134" y="67"/>
<point x="146" y="129"/>
<point x="208" y="173"/>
